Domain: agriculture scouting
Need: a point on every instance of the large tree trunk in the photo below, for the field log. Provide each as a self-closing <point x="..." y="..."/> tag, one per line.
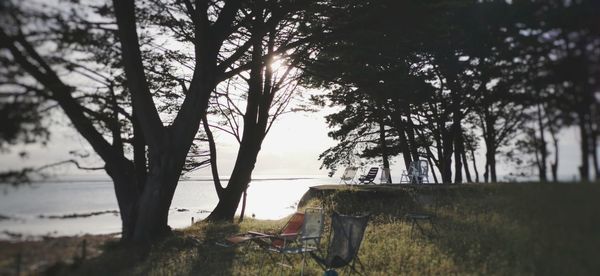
<point x="258" y="103"/>
<point x="466" y="166"/>
<point x="161" y="181"/>
<point x="489" y="137"/>
<point x="492" y="162"/>
<point x="139" y="154"/>
<point x="153" y="208"/>
<point x="475" y="165"/>
<point x="585" y="153"/>
<point x="410" y="133"/>
<point x="458" y="150"/>
<point x="446" y="159"/>
<point x="238" y="183"/>
<point x="244" y="198"/>
<point x="542" y="146"/>
<point x="167" y="147"/>
<point x="432" y="169"/>
<point x="384" y="151"/>
<point x="594" y="147"/>
<point x="594" y="152"/>
<point x="404" y="147"/>
<point x="437" y="137"/>
<point x="554" y="165"/>
<point x="127" y="193"/>
<point x="486" y="171"/>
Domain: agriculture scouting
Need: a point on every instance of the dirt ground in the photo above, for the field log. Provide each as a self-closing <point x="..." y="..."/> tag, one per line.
<point x="31" y="257"/>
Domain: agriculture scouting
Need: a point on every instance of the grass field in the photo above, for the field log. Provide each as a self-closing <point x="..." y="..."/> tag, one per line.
<point x="505" y="229"/>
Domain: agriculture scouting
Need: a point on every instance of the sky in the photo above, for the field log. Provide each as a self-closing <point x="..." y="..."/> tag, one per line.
<point x="291" y="148"/>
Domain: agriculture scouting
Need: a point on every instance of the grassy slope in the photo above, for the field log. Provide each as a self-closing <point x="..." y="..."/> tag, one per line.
<point x="508" y="229"/>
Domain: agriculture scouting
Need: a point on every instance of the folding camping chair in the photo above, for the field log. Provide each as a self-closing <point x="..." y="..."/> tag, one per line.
<point x="348" y="175"/>
<point x="307" y="240"/>
<point x="289" y="230"/>
<point x="301" y="234"/>
<point x="424" y="212"/>
<point x="417" y="173"/>
<point x="346" y="235"/>
<point x="369" y="177"/>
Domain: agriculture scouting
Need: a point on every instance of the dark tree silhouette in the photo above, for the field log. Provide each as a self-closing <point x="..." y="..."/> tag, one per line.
<point x="277" y="39"/>
<point x="144" y="187"/>
<point x="487" y="65"/>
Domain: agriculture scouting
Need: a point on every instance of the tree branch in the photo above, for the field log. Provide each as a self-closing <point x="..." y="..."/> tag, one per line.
<point x="134" y="70"/>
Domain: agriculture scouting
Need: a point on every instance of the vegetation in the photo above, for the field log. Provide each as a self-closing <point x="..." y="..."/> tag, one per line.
<point x="447" y="76"/>
<point x="506" y="229"/>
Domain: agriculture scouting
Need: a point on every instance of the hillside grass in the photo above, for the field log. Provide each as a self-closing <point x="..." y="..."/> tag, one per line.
<point x="500" y="229"/>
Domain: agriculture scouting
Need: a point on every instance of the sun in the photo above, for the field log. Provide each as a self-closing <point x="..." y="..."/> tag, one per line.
<point x="277" y="64"/>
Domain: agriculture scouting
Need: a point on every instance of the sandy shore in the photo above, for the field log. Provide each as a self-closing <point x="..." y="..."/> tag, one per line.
<point x="35" y="256"/>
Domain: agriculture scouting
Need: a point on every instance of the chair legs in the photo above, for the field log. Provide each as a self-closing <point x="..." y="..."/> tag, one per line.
<point x="351" y="268"/>
<point x="285" y="260"/>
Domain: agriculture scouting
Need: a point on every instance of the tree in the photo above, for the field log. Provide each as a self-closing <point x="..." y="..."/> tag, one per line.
<point x="565" y="35"/>
<point x="277" y="45"/>
<point x="366" y="78"/>
<point x="143" y="200"/>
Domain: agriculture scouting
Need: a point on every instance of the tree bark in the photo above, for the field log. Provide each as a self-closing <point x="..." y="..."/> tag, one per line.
<point x="139" y="154"/>
<point x="554" y="165"/>
<point x="486" y="171"/>
<point x="475" y="166"/>
<point x="492" y="162"/>
<point x="594" y="152"/>
<point x="213" y="157"/>
<point x="243" y="211"/>
<point x="542" y="146"/>
<point x="585" y="153"/>
<point x="458" y="149"/>
<point x="594" y="148"/>
<point x="466" y="166"/>
<point x="432" y="169"/>
<point x="410" y="133"/>
<point x="384" y="150"/>
<point x="399" y="124"/>
<point x="127" y="193"/>
<point x="446" y="159"/>
<point x="238" y="183"/>
<point x="489" y="136"/>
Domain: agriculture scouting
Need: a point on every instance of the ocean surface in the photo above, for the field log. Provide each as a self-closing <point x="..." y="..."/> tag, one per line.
<point x="79" y="207"/>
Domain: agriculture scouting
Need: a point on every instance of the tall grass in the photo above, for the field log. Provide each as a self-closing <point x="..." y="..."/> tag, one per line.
<point x="505" y="229"/>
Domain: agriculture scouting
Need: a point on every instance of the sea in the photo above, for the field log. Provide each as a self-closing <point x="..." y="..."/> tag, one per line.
<point x="78" y="207"/>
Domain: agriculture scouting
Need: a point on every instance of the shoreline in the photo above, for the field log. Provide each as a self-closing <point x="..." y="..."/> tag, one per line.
<point x="36" y="256"/>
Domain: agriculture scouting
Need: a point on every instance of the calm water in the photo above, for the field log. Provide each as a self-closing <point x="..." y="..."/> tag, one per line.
<point x="28" y="207"/>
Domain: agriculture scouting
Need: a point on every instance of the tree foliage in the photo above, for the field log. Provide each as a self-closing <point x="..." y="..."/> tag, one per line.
<point x="437" y="68"/>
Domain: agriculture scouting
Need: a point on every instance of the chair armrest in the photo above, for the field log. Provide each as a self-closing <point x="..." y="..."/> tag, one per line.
<point x="310" y="238"/>
<point x="240" y="238"/>
<point x="287" y="236"/>
<point x="259" y="234"/>
<point x="279" y="237"/>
